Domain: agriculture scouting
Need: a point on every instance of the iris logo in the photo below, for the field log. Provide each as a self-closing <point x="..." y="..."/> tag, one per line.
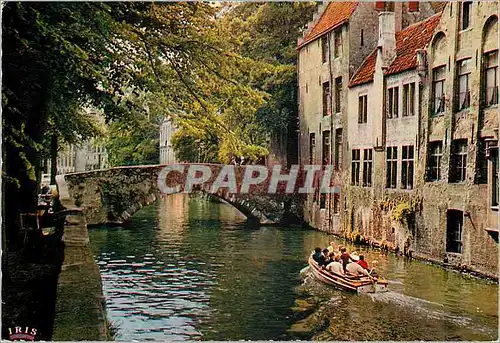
<point x="19" y="333"/>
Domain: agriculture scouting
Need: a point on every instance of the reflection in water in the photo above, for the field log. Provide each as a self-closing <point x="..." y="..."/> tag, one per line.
<point x="189" y="269"/>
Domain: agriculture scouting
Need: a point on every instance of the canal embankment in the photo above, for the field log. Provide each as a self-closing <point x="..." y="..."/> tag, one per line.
<point x="80" y="311"/>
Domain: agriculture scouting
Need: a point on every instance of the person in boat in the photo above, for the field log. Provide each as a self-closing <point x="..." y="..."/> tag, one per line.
<point x="317" y="254"/>
<point x="331" y="247"/>
<point x="345" y="257"/>
<point x="373" y="271"/>
<point x="335" y="266"/>
<point x="323" y="259"/>
<point x="362" y="262"/>
<point x="330" y="259"/>
<point x="353" y="268"/>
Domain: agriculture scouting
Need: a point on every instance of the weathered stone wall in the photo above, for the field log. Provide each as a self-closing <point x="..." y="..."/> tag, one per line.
<point x="80" y="311"/>
<point x="417" y="219"/>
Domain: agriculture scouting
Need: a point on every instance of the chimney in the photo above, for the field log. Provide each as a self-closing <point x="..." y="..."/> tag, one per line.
<point x="387" y="37"/>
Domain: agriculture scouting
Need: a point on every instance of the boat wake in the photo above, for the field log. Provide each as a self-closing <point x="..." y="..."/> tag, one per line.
<point x="429" y="309"/>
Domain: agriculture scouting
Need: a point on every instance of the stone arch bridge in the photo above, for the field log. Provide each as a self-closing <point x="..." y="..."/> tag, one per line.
<point x="111" y="196"/>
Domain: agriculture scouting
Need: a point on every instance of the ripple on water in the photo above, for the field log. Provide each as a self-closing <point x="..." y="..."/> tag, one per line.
<point x="203" y="275"/>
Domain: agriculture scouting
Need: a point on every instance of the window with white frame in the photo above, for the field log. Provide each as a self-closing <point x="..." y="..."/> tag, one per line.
<point x="367" y="167"/>
<point x="391" y="167"/>
<point x="363" y="109"/>
<point x="355" y="166"/>
<point x="393" y="102"/>
<point x="491" y="78"/>
<point x="458" y="165"/>
<point x="438" y="79"/>
<point x="407" y="167"/>
<point x="463" y="76"/>
<point x="409" y="99"/>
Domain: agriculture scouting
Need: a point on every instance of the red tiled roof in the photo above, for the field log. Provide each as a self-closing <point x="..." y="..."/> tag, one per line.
<point x="414" y="37"/>
<point x="335" y="14"/>
<point x="366" y="71"/>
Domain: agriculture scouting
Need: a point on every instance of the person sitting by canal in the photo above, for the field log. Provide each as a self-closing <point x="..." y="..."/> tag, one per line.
<point x="335" y="266"/>
<point x="362" y="262"/>
<point x="317" y="254"/>
<point x="353" y="268"/>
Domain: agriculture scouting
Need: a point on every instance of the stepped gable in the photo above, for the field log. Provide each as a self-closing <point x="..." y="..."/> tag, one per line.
<point x="335" y="14"/>
<point x="412" y="38"/>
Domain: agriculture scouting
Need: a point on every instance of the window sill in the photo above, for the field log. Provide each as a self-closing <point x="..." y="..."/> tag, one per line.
<point x="465" y="30"/>
<point x="487" y="107"/>
<point x="465" y="110"/>
<point x="494" y="208"/>
<point x="437" y="115"/>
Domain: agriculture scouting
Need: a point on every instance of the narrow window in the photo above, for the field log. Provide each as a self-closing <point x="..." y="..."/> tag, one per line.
<point x="458" y="165"/>
<point x="322" y="201"/>
<point x="494" y="185"/>
<point x="338" y="149"/>
<point x="466" y="14"/>
<point x="326" y="98"/>
<point x="393" y="102"/>
<point x="312" y="147"/>
<point x="324" y="48"/>
<point x="337" y="43"/>
<point x="355" y="166"/>
<point x="392" y="167"/>
<point x="491" y="78"/>
<point x="362" y="37"/>
<point x="338" y="94"/>
<point x="367" y="167"/>
<point x="481" y="176"/>
<point x="336" y="203"/>
<point x="463" y="96"/>
<point x="407" y="166"/>
<point x="326" y="147"/>
<point x="409" y="99"/>
<point x="454" y="226"/>
<point x="363" y="109"/>
<point x="438" y="79"/>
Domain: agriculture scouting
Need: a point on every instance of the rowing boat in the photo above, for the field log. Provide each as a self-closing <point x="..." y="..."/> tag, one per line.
<point x="360" y="284"/>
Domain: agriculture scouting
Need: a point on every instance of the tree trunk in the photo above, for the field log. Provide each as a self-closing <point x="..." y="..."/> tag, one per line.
<point x="53" y="159"/>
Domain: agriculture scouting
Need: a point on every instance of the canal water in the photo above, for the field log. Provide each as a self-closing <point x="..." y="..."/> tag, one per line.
<point x="189" y="269"/>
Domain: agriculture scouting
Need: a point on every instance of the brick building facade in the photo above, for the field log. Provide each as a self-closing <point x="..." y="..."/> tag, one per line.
<point x="403" y="102"/>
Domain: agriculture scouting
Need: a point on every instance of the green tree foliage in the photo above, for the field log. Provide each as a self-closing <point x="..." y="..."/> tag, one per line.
<point x="58" y="57"/>
<point x="267" y="33"/>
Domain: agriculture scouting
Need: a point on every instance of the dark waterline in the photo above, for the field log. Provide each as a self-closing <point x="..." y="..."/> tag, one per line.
<point x="189" y="269"/>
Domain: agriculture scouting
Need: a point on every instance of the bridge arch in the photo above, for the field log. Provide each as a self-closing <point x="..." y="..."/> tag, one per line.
<point x="112" y="196"/>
